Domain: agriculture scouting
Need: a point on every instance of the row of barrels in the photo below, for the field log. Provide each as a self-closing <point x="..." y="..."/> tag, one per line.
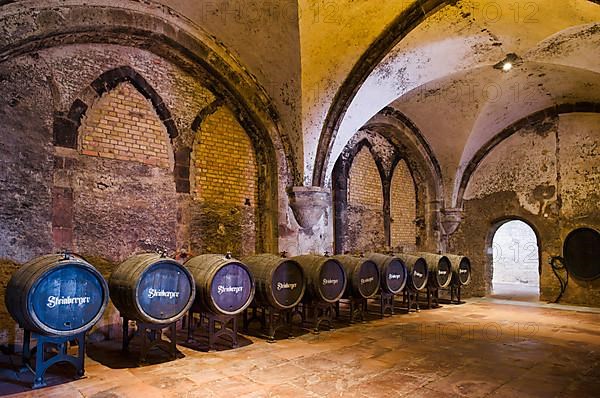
<point x="62" y="295"/>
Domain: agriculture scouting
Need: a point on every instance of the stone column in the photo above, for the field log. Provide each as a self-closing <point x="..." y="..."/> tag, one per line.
<point x="312" y="210"/>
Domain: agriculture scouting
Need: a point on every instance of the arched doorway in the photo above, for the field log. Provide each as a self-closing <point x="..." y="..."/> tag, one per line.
<point x="515" y="262"/>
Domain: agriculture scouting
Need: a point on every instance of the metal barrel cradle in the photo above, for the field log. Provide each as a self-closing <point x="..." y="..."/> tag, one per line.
<point x="394" y="278"/>
<point x="325" y="285"/>
<point x="440" y="276"/>
<point x="461" y="276"/>
<point x="417" y="280"/>
<point x="363" y="283"/>
<point x="225" y="288"/>
<point x="56" y="299"/>
<point x="153" y="292"/>
<point x="280" y="286"/>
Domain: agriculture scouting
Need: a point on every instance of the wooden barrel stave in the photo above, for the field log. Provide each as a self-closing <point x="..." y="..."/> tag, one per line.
<point x="326" y="279"/>
<point x="461" y="269"/>
<point x="279" y="282"/>
<point x="363" y="276"/>
<point x="224" y="285"/>
<point x="440" y="269"/>
<point x="393" y="272"/>
<point x="152" y="289"/>
<point x="57" y="295"/>
<point x="418" y="272"/>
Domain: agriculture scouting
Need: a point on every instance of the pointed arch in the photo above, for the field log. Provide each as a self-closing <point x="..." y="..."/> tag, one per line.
<point x="66" y="125"/>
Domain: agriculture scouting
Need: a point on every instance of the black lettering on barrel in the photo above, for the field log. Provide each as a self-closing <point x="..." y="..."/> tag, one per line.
<point x="393" y="272"/>
<point x="417" y="270"/>
<point x="363" y="276"/>
<point x="279" y="281"/>
<point x="325" y="277"/>
<point x="225" y="285"/>
<point x="57" y="295"/>
<point x="152" y="289"/>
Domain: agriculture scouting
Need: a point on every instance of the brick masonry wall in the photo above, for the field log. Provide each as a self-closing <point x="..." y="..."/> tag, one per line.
<point x="103" y="208"/>
<point x="365" y="205"/>
<point x="123" y="125"/>
<point x="225" y="187"/>
<point x="224" y="160"/>
<point x="364" y="185"/>
<point x="402" y="207"/>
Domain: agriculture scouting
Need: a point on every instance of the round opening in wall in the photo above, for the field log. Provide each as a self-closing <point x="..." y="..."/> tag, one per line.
<point x="581" y="252"/>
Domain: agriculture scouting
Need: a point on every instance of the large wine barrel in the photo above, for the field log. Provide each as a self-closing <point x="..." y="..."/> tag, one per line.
<point x="461" y="269"/>
<point x="224" y="284"/>
<point x="417" y="270"/>
<point x="440" y="269"/>
<point x="152" y="289"/>
<point x="279" y="281"/>
<point x="393" y="272"/>
<point x="325" y="278"/>
<point x="362" y="274"/>
<point x="56" y="295"/>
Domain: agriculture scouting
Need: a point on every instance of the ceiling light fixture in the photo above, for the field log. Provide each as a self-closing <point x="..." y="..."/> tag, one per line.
<point x="511" y="60"/>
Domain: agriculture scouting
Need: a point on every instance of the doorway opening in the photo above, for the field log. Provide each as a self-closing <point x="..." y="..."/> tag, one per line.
<point x="515" y="262"/>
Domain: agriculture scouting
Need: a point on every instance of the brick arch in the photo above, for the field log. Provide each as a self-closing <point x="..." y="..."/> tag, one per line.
<point x="164" y="32"/>
<point x="406" y="190"/>
<point x="267" y="169"/>
<point x="66" y="125"/>
<point x="340" y="179"/>
<point x="534" y="118"/>
<point x="412" y="147"/>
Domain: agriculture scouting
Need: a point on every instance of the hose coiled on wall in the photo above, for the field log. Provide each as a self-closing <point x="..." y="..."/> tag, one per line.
<point x="558" y="264"/>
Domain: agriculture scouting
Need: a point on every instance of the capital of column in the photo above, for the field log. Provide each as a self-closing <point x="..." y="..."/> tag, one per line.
<point x="309" y="204"/>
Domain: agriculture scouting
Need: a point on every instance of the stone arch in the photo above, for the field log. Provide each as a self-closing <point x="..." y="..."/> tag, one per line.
<point x="493" y="228"/>
<point x="161" y="30"/>
<point x="385" y="42"/>
<point x="66" y="125"/>
<point x="340" y="180"/>
<point x="527" y="121"/>
<point x="405" y="22"/>
<point x="414" y="149"/>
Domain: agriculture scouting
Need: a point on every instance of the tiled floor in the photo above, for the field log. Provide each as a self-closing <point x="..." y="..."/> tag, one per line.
<point x="480" y="349"/>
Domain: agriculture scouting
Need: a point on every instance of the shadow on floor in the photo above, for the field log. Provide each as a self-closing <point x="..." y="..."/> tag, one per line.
<point x="14" y="380"/>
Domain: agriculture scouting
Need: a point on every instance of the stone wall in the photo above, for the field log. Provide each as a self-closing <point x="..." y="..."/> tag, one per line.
<point x="111" y="187"/>
<point x="547" y="175"/>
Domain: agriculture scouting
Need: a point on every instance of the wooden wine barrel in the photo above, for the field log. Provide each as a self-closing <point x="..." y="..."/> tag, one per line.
<point x="440" y="269"/>
<point x="393" y="272"/>
<point x="418" y="273"/>
<point x="56" y="295"/>
<point x="224" y="285"/>
<point x="461" y="269"/>
<point x="152" y="289"/>
<point x="279" y="281"/>
<point x="325" y="278"/>
<point x="362" y="274"/>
